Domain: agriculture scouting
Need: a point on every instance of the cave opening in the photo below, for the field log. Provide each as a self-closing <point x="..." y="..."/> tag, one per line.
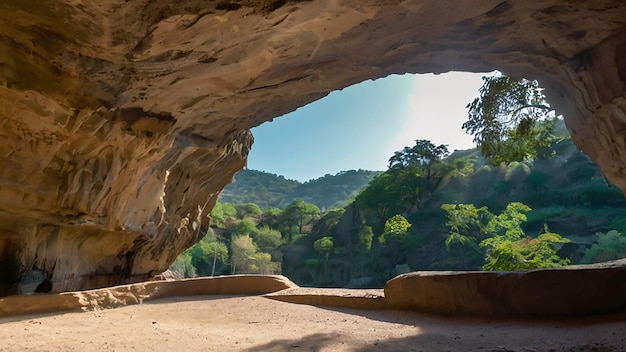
<point x="313" y="152"/>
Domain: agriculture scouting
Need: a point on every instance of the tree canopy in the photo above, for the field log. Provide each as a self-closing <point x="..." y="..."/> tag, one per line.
<point x="510" y="120"/>
<point x="504" y="242"/>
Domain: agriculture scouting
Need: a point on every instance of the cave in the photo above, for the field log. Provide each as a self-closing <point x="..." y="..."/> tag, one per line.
<point x="121" y="122"/>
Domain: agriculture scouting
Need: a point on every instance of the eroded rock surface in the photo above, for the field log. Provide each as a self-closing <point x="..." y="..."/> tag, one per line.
<point x="577" y="290"/>
<point x="121" y="121"/>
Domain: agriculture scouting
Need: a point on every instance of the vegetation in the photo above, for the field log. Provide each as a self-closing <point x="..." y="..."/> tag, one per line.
<point x="510" y="120"/>
<point x="500" y="239"/>
<point x="272" y="191"/>
<point x="430" y="210"/>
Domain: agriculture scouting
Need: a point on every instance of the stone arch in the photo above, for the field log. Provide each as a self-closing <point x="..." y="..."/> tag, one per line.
<point x="197" y="76"/>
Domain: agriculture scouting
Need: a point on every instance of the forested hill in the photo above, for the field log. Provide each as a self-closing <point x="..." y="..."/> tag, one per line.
<point x="270" y="190"/>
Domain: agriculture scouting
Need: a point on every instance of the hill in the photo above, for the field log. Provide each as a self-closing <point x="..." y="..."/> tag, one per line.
<point x="270" y="190"/>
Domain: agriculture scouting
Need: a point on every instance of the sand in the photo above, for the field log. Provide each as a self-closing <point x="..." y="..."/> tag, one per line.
<point x="256" y="323"/>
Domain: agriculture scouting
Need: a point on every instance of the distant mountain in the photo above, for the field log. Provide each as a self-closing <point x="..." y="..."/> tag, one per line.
<point x="332" y="190"/>
<point x="261" y="188"/>
<point x="270" y="190"/>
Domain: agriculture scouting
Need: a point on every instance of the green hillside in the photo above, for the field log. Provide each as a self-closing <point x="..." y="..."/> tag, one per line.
<point x="269" y="190"/>
<point x="261" y="188"/>
<point x="428" y="211"/>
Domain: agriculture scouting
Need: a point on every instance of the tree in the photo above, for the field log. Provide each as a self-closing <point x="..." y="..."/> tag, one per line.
<point x="243" y="251"/>
<point x="396" y="229"/>
<point x="271" y="218"/>
<point x="245" y="227"/>
<point x="218" y="218"/>
<point x="424" y="153"/>
<point x="468" y="226"/>
<point x="208" y="255"/>
<point x="267" y="239"/>
<point x="263" y="263"/>
<point x="324" y="247"/>
<point x="525" y="254"/>
<point x="248" y="210"/>
<point x="299" y="213"/>
<point x="504" y="244"/>
<point x="510" y="120"/>
<point x="407" y="186"/>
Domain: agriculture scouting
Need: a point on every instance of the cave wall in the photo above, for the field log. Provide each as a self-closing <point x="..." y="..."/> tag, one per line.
<point x="120" y="122"/>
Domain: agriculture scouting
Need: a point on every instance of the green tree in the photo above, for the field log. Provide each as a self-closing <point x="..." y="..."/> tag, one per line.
<point x="424" y="153"/>
<point x="243" y="254"/>
<point x="504" y="243"/>
<point x="468" y="226"/>
<point x="267" y="239"/>
<point x="271" y="217"/>
<point x="324" y="247"/>
<point x="218" y="218"/>
<point x="245" y="227"/>
<point x="229" y="210"/>
<point x="248" y="210"/>
<point x="525" y="254"/>
<point x="209" y="255"/>
<point x="396" y="229"/>
<point x="263" y="264"/>
<point x="299" y="213"/>
<point x="510" y="120"/>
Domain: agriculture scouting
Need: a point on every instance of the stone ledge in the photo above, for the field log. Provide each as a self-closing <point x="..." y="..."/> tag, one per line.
<point x="332" y="297"/>
<point x="564" y="292"/>
<point x="124" y="295"/>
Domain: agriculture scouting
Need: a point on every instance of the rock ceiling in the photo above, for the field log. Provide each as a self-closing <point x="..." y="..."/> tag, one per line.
<point x="121" y="121"/>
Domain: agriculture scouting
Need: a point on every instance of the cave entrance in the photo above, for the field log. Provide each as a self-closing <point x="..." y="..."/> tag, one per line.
<point x="303" y="208"/>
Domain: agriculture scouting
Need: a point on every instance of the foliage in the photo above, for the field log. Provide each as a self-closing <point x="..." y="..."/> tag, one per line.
<point x="331" y="191"/>
<point x="248" y="210"/>
<point x="243" y="252"/>
<point x="423" y="153"/>
<point x="261" y="188"/>
<point x="183" y="265"/>
<point x="567" y="191"/>
<point x="300" y="213"/>
<point x="467" y="226"/>
<point x="365" y="238"/>
<point x="245" y="227"/>
<point x="396" y="229"/>
<point x="272" y="191"/>
<point x="324" y="246"/>
<point x="263" y="264"/>
<point x="505" y="244"/>
<point x="208" y="256"/>
<point x="267" y="239"/>
<point x="525" y="254"/>
<point x="609" y="246"/>
<point x="414" y="174"/>
<point x="510" y="120"/>
<point x="218" y="218"/>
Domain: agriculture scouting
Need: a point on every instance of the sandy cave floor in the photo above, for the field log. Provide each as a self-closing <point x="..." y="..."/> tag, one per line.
<point x="254" y="323"/>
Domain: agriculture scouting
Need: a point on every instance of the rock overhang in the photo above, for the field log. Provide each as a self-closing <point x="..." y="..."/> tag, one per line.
<point x="122" y="121"/>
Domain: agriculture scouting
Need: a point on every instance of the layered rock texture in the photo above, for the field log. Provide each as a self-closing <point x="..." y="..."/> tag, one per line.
<point x="121" y="121"/>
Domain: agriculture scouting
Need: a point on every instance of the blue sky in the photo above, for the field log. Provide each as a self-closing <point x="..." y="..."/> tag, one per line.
<point x="361" y="126"/>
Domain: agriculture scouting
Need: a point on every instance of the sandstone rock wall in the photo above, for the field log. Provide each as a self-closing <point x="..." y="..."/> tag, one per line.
<point x="120" y="122"/>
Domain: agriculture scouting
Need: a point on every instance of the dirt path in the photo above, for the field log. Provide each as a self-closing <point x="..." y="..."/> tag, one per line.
<point x="253" y="323"/>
